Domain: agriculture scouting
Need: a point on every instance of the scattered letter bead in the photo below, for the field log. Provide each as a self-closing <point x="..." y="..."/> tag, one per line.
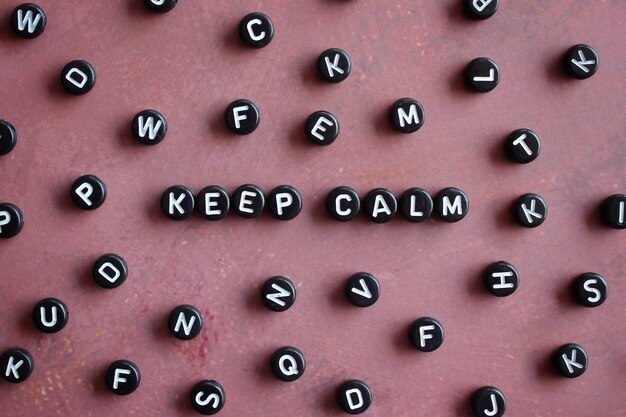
<point x="322" y="128"/>
<point x="488" y="402"/>
<point x="482" y="75"/>
<point x="343" y="204"/>
<point x="380" y="205"/>
<point x="177" y="202"/>
<point x="11" y="220"/>
<point x="89" y="192"/>
<point x="123" y="377"/>
<point x="501" y="279"/>
<point x="110" y="271"/>
<point x="213" y="202"/>
<point x="481" y="9"/>
<point x="523" y="146"/>
<point x="278" y="293"/>
<point x="334" y="65"/>
<point x="185" y="322"/>
<point x="416" y="205"/>
<point x="582" y="61"/>
<point x="248" y="201"/>
<point x="571" y="360"/>
<point x="614" y="211"/>
<point x="16" y="365"/>
<point x="149" y="127"/>
<point x="8" y="137"/>
<point x="256" y="30"/>
<point x="208" y="397"/>
<point x="160" y="6"/>
<point x="451" y="204"/>
<point x="407" y="115"/>
<point x="288" y="363"/>
<point x="50" y="315"/>
<point x="78" y="77"/>
<point x="363" y="289"/>
<point x="426" y="334"/>
<point x="354" y="396"/>
<point x="590" y="289"/>
<point x="284" y="202"/>
<point x="242" y="116"/>
<point x="28" y="20"/>
<point x="530" y="210"/>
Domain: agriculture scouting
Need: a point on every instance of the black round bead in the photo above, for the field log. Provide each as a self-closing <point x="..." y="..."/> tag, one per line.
<point x="208" y="397"/>
<point x="50" y="315"/>
<point x="248" y="201"/>
<point x="213" y="202"/>
<point x="110" y="271"/>
<point x="288" y="363"/>
<point x="11" y="220"/>
<point x="88" y="192"/>
<point x="322" y="128"/>
<point x="256" y="30"/>
<point x="8" y="137"/>
<point x="78" y="77"/>
<point x="284" y="202"/>
<point x="343" y="204"/>
<point x="416" y="205"/>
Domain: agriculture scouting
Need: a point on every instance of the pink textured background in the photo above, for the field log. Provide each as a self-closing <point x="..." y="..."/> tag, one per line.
<point x="189" y="65"/>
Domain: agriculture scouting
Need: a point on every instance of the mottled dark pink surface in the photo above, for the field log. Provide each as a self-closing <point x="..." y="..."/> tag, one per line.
<point x="189" y="65"/>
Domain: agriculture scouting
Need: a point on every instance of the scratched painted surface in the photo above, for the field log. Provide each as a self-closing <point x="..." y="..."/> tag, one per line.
<point x="189" y="65"/>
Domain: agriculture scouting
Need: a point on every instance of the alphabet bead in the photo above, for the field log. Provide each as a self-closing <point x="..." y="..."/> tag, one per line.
<point x="284" y="202"/>
<point x="11" y="220"/>
<point x="482" y="75"/>
<point x="17" y="365"/>
<point x="451" y="204"/>
<point x="530" y="210"/>
<point x="354" y="396"/>
<point x="582" y="61"/>
<point x="185" y="322"/>
<point x="571" y="360"/>
<point x="8" y="137"/>
<point x="334" y="65"/>
<point x="28" y="20"/>
<point x="488" y="402"/>
<point x="343" y="204"/>
<point x="501" y="279"/>
<point x="208" y="397"/>
<point x="248" y="201"/>
<point x="380" y="205"/>
<point x="110" y="271"/>
<point x="407" y="115"/>
<point x="426" y="334"/>
<point x="50" y="315"/>
<point x="88" y="192"/>
<point x="78" y="77"/>
<point x="481" y="9"/>
<point x="278" y="293"/>
<point x="523" y="146"/>
<point x="614" y="211"/>
<point x="123" y="377"/>
<point x="322" y="128"/>
<point x="363" y="289"/>
<point x="160" y="6"/>
<point x="416" y="205"/>
<point x="149" y="127"/>
<point x="242" y="117"/>
<point x="288" y="363"/>
<point x="590" y="289"/>
<point x="213" y="202"/>
<point x="256" y="30"/>
<point x="177" y="202"/>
